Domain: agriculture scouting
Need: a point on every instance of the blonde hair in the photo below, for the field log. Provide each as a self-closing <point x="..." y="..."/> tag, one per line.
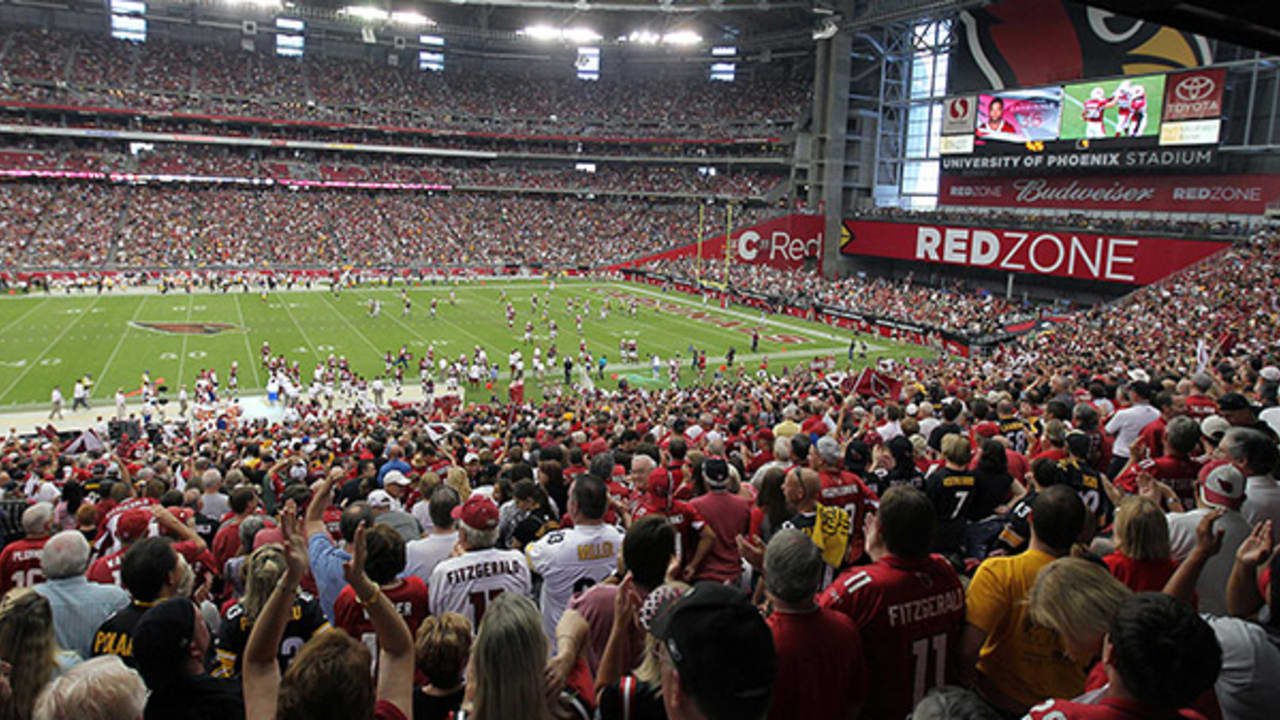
<point x="261" y="572"/>
<point x="956" y="449"/>
<point x="456" y="478"/>
<point x="442" y="647"/>
<point x="1141" y="531"/>
<point x="27" y="643"/>
<point x="1072" y="595"/>
<point x="98" y="689"/>
<point x="507" y="661"/>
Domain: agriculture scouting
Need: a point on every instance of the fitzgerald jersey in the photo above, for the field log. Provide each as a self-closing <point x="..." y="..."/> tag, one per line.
<point x="571" y="561"/>
<point x="911" y="615"/>
<point x="306" y="620"/>
<point x="468" y="583"/>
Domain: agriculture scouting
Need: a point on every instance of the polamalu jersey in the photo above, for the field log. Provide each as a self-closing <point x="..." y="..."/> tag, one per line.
<point x="1088" y="485"/>
<point x="115" y="635"/>
<point x="306" y="620"/>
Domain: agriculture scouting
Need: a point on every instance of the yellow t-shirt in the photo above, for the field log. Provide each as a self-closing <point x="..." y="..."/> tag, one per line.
<point x="1020" y="660"/>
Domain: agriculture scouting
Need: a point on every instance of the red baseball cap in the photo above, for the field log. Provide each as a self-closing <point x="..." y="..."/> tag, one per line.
<point x="597" y="446"/>
<point x="132" y="524"/>
<point x="268" y="536"/>
<point x="986" y="429"/>
<point x="1222" y="485"/>
<point x="659" y="482"/>
<point x="477" y="512"/>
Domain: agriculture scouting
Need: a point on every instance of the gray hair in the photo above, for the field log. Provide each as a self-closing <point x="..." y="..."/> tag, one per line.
<point x="212" y="480"/>
<point x="1251" y="449"/>
<point x="37" y="519"/>
<point x="65" y="555"/>
<point x="1182" y="434"/>
<point x="792" y="566"/>
<point x="98" y="689"/>
<point x="642" y="463"/>
<point x="782" y="448"/>
<point x="479" y="539"/>
<point x="248" y="530"/>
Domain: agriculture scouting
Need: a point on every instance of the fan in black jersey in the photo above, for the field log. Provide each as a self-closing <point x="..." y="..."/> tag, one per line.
<point x="150" y="572"/>
<point x="952" y="489"/>
<point x="1085" y="480"/>
<point x="306" y="618"/>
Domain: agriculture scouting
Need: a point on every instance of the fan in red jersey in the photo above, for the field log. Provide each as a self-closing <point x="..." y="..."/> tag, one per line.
<point x="20" y="560"/>
<point x="907" y="604"/>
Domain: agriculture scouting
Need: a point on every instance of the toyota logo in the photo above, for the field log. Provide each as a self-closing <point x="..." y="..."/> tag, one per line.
<point x="958" y="108"/>
<point x="1196" y="87"/>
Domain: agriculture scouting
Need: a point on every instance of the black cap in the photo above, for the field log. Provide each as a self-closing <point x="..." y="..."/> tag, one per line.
<point x="856" y="456"/>
<point x="1234" y="401"/>
<point x="716" y="471"/>
<point x="161" y="639"/>
<point x="720" y="645"/>
<point x="1079" y="443"/>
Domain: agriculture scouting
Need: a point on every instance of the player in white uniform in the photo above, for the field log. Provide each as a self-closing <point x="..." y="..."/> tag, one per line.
<point x="573" y="560"/>
<point x="1094" y="112"/>
<point x="469" y="582"/>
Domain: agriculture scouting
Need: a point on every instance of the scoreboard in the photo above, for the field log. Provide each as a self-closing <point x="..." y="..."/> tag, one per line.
<point x="1160" y="122"/>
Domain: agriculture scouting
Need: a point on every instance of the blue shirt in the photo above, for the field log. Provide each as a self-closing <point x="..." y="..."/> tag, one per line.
<point x="79" y="607"/>
<point x="326" y="567"/>
<point x="390" y="465"/>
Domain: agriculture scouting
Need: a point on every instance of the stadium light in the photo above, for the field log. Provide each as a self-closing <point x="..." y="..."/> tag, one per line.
<point x="364" y="12"/>
<point x="580" y="35"/>
<point x="724" y="51"/>
<point x="411" y="19"/>
<point x="643" y="37"/>
<point x="682" y="37"/>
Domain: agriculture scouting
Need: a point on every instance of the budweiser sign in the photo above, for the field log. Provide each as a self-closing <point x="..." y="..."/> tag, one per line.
<point x="1233" y="194"/>
<point x="1138" y="260"/>
<point x="1193" y="95"/>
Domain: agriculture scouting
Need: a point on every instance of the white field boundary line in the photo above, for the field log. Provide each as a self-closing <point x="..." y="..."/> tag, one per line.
<point x="14" y="323"/>
<point x="49" y="347"/>
<point x="644" y="290"/>
<point x="244" y="332"/>
<point x="475" y="338"/>
<point x="116" y="350"/>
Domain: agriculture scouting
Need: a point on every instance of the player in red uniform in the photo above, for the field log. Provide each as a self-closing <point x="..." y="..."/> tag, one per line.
<point x="908" y="605"/>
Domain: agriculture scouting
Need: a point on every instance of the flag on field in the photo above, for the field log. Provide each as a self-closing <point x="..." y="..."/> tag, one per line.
<point x="873" y="383"/>
<point x="1202" y="355"/>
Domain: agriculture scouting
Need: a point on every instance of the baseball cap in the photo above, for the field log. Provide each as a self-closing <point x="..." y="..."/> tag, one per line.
<point x="1079" y="443"/>
<point x="1222" y="485"/>
<point x="268" y="536"/>
<point x="986" y="429"/>
<point x="381" y="499"/>
<point x="719" y="643"/>
<point x="1214" y="427"/>
<point x="716" y="472"/>
<point x="395" y="477"/>
<point x="654" y="601"/>
<point x="856" y="455"/>
<point x="912" y="409"/>
<point x="470" y="458"/>
<point x="477" y="512"/>
<point x="161" y="639"/>
<point x="1270" y="373"/>
<point x="659" y="482"/>
<point x="1139" y="375"/>
<point x="597" y="447"/>
<point x="828" y="449"/>
<point x="132" y="524"/>
<point x="1234" y="401"/>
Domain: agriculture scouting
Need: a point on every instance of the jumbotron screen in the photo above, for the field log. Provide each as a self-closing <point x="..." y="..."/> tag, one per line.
<point x="1113" y="108"/>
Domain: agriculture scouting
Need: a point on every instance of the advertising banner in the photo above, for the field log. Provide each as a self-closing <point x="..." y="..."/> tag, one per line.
<point x="1116" y="155"/>
<point x="958" y="115"/>
<point x="1024" y="43"/>
<point x="784" y="243"/>
<point x="1085" y="256"/>
<point x="1018" y="116"/>
<point x="1194" y="95"/>
<point x="1236" y="194"/>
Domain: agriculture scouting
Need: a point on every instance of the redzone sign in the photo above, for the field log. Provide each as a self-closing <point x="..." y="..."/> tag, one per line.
<point x="1129" y="260"/>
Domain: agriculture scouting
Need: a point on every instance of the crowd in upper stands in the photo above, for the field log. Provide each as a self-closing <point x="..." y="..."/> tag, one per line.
<point x="1126" y="222"/>
<point x="170" y="76"/>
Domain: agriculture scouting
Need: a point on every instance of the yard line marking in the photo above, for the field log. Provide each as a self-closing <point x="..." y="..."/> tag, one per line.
<point x="344" y="319"/>
<point x="47" y="348"/>
<point x="244" y="330"/>
<point x="23" y="316"/>
<point x="305" y="339"/>
<point x="478" y="340"/>
<point x="119" y="344"/>
<point x="182" y="359"/>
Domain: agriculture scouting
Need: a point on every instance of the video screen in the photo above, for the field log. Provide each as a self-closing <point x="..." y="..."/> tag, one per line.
<point x="1019" y="116"/>
<point x="1113" y="108"/>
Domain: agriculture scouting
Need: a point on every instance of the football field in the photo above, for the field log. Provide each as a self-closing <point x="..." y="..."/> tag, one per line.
<point x="54" y="339"/>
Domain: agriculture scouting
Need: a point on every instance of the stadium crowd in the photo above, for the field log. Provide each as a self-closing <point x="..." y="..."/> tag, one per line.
<point x="1126" y="222"/>
<point x="1081" y="526"/>
<point x="71" y="68"/>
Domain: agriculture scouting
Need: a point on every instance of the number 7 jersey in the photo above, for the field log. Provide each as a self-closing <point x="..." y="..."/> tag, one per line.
<point x="910" y="614"/>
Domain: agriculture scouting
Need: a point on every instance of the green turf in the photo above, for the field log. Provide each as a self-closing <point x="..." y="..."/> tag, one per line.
<point x="54" y="339"/>
<point x="1073" y="124"/>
